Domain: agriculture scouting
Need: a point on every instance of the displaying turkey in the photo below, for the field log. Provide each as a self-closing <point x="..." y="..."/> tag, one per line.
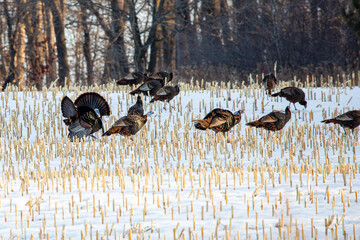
<point x="293" y="95"/>
<point x="137" y="108"/>
<point x="154" y="83"/>
<point x="269" y="81"/>
<point x="219" y="120"/>
<point x="83" y="117"/>
<point x="128" y="125"/>
<point x="273" y="121"/>
<point x="350" y="119"/>
<point x="166" y="93"/>
<point x="133" y="78"/>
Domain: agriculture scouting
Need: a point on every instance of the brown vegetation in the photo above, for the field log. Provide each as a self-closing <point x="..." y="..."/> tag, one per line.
<point x="96" y="41"/>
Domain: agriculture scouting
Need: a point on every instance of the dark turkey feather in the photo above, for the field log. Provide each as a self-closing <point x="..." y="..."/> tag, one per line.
<point x="77" y="130"/>
<point x="128" y="125"/>
<point x="94" y="101"/>
<point x="270" y="81"/>
<point x="293" y="95"/>
<point x="350" y="119"/>
<point x="149" y="88"/>
<point x="166" y="93"/>
<point x="133" y="79"/>
<point x="84" y="116"/>
<point x="137" y="108"/>
<point x="219" y="120"/>
<point x="68" y="110"/>
<point x="273" y="121"/>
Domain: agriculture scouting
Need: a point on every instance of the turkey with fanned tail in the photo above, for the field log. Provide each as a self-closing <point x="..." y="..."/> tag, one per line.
<point x="83" y="117"/>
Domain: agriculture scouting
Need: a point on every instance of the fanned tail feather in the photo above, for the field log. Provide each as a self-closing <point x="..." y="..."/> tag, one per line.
<point x="68" y="110"/>
<point x="93" y="100"/>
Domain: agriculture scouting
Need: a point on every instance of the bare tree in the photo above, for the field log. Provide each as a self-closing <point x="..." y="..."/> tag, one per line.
<point x="58" y="12"/>
<point x="352" y="15"/>
<point x="12" y="23"/>
<point x="141" y="47"/>
<point x="50" y="55"/>
<point x="86" y="45"/>
<point x="116" y="60"/>
<point x="183" y="36"/>
<point x="36" y="44"/>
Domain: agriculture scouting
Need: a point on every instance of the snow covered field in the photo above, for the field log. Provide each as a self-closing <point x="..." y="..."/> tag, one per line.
<point x="175" y="182"/>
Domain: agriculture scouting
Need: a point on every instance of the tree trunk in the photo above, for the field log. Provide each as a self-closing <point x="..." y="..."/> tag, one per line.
<point x="11" y="36"/>
<point x="141" y="48"/>
<point x="50" y="55"/>
<point x="183" y="28"/>
<point x="58" y="16"/>
<point x="20" y="54"/>
<point x="116" y="59"/>
<point x="86" y="45"/>
<point x="119" y="61"/>
<point x="36" y="45"/>
<point x="210" y="30"/>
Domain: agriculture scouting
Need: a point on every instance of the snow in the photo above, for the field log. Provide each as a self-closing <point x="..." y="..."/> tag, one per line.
<point x="173" y="181"/>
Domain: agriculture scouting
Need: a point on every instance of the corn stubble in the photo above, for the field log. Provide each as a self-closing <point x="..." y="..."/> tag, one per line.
<point x="119" y="188"/>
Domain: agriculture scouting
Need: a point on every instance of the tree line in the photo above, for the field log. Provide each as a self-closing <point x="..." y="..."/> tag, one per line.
<point x="43" y="42"/>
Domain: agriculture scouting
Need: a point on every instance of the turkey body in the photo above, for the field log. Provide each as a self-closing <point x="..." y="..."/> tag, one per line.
<point x="350" y="119"/>
<point x="137" y="108"/>
<point x="273" y="121"/>
<point x="219" y="120"/>
<point x="128" y="125"/>
<point x="133" y="79"/>
<point x="269" y="81"/>
<point x="166" y="93"/>
<point x="83" y="117"/>
<point x="293" y="95"/>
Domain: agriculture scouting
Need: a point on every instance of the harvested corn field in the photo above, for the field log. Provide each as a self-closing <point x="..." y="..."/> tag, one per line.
<point x="172" y="181"/>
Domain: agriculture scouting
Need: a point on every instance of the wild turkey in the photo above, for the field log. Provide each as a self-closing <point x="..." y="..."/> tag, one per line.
<point x="269" y="81"/>
<point x="137" y="108"/>
<point x="154" y="83"/>
<point x="133" y="79"/>
<point x="128" y="125"/>
<point x="166" y="93"/>
<point x="293" y="95"/>
<point x="83" y="117"/>
<point x="167" y="77"/>
<point x="149" y="88"/>
<point x="350" y="119"/>
<point x="219" y="120"/>
<point x="273" y="121"/>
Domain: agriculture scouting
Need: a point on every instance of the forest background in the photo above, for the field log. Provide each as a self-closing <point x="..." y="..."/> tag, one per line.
<point x="86" y="42"/>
